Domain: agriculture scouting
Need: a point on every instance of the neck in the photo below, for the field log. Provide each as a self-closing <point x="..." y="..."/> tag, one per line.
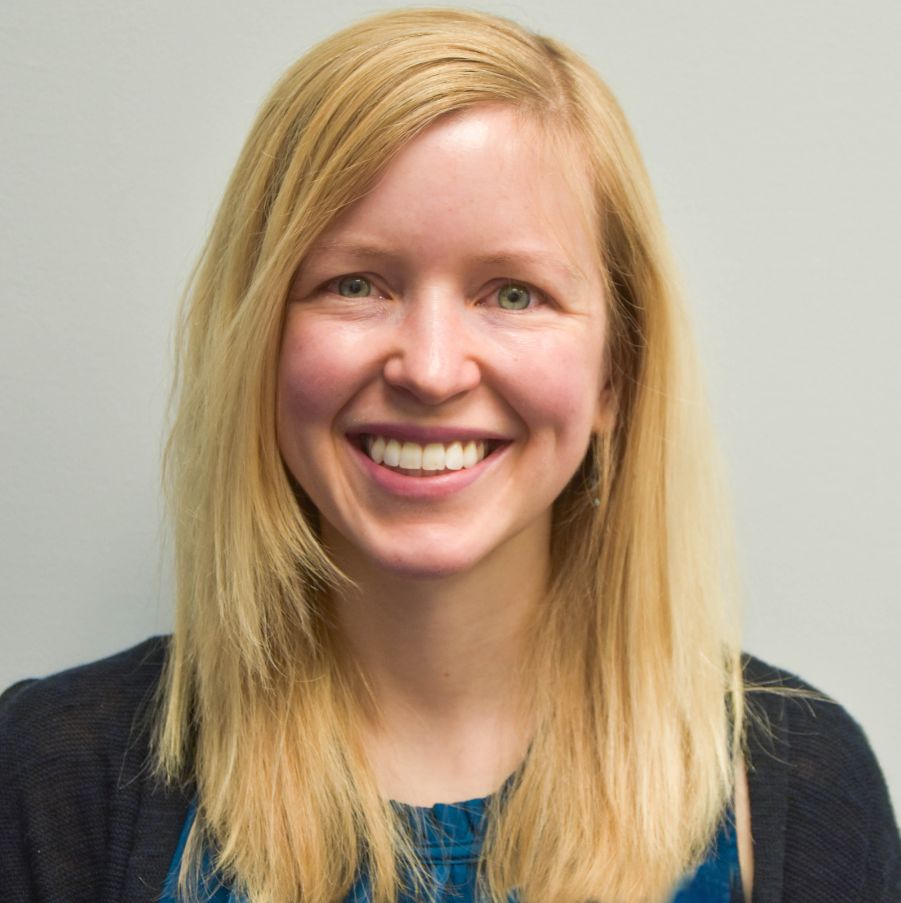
<point x="442" y="644"/>
<point x="442" y="657"/>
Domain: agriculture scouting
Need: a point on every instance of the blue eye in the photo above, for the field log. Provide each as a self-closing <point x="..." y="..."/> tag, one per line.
<point x="514" y="297"/>
<point x="354" y="287"/>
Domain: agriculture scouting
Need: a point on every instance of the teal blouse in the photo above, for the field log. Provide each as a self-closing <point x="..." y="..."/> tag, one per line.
<point x="449" y="839"/>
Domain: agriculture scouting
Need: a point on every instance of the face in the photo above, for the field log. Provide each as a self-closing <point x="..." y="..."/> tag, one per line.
<point x="442" y="365"/>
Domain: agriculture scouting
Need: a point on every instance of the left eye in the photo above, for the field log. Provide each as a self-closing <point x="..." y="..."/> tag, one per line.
<point x="354" y="287"/>
<point x="514" y="297"/>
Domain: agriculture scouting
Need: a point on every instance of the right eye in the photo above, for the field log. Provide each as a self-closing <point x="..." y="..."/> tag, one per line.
<point x="514" y="296"/>
<point x="353" y="287"/>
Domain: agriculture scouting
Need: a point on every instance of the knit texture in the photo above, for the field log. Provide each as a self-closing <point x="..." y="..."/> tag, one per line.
<point x="83" y="821"/>
<point x="821" y="817"/>
<point x="80" y="819"/>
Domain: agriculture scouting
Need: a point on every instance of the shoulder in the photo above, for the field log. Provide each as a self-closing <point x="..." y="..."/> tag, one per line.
<point x="821" y="817"/>
<point x="828" y="747"/>
<point x="85" y="711"/>
<point x="75" y="783"/>
<point x="134" y="669"/>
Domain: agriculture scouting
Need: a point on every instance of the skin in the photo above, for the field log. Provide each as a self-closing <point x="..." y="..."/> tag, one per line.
<point x="396" y="324"/>
<point x="743" y="830"/>
<point x="446" y="581"/>
<point x="431" y="348"/>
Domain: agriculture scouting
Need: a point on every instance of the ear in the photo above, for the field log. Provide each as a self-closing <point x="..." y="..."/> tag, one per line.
<point x="605" y="414"/>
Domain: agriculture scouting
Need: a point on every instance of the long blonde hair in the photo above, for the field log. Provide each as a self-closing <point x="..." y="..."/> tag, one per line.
<point x="636" y="670"/>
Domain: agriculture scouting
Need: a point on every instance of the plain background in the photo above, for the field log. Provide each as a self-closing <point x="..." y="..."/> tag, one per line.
<point x="771" y="132"/>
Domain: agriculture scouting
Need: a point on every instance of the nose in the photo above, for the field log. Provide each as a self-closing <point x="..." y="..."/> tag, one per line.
<point x="433" y="353"/>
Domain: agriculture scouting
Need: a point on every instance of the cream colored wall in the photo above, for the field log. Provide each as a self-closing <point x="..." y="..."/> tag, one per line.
<point x="773" y="139"/>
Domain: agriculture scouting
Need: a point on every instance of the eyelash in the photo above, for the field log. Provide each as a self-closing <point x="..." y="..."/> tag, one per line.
<point x="537" y="297"/>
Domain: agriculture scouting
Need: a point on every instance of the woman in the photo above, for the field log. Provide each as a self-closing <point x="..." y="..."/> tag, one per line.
<point x="446" y="530"/>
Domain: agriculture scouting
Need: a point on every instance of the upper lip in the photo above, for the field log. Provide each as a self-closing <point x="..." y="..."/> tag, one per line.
<point x="423" y="435"/>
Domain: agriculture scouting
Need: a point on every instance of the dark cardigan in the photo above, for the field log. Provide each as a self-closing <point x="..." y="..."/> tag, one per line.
<point x="82" y="821"/>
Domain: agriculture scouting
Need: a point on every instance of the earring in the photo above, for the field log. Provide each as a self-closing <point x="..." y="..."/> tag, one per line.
<point x="592" y="476"/>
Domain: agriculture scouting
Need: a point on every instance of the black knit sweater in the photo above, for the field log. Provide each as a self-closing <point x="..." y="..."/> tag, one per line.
<point x="82" y="821"/>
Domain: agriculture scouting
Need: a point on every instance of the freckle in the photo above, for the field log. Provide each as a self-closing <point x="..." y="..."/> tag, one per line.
<point x="447" y="673"/>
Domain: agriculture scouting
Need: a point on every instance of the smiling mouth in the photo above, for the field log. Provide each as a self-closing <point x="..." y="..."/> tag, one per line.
<point x="430" y="460"/>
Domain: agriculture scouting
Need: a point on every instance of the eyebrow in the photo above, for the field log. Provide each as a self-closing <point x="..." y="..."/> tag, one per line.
<point x="512" y="258"/>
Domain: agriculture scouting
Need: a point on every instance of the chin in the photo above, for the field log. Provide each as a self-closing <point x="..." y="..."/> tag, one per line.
<point x="432" y="552"/>
<point x="426" y="565"/>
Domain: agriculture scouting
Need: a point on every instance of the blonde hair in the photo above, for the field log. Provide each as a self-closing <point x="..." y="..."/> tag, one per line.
<point x="636" y="669"/>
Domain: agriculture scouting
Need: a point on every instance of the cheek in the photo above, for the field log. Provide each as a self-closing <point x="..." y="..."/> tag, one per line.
<point x="314" y="372"/>
<point x="559" y="385"/>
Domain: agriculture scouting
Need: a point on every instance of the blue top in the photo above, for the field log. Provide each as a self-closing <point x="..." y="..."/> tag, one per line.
<point x="449" y="838"/>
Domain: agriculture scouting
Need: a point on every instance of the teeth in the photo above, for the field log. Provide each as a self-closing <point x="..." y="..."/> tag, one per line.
<point x="453" y="456"/>
<point x="392" y="453"/>
<point x="377" y="450"/>
<point x="411" y="456"/>
<point x="432" y="458"/>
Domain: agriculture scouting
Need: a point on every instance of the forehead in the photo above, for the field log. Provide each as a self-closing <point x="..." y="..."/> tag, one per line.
<point x="489" y="176"/>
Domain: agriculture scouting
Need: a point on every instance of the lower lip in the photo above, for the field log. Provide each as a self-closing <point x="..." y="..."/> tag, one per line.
<point x="434" y="487"/>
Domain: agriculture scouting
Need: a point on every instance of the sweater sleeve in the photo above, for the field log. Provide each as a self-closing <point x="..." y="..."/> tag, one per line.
<point x="842" y="840"/>
<point x="73" y="781"/>
<point x="822" y="820"/>
<point x="54" y="802"/>
<point x="15" y="874"/>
